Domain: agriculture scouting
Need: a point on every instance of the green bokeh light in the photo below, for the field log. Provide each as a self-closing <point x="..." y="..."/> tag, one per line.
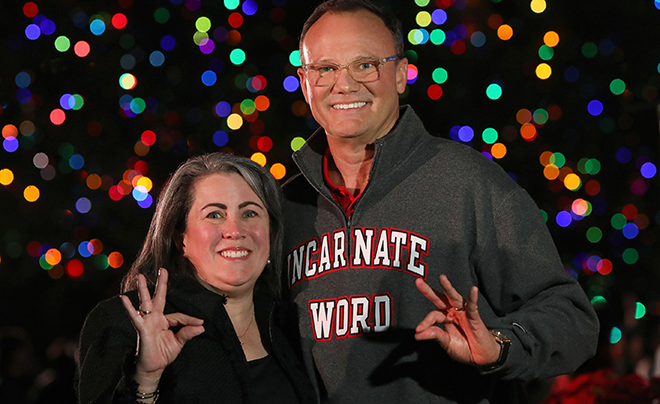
<point x="297" y="143"/>
<point x="232" y="4"/>
<point x="439" y="75"/>
<point x="594" y="234"/>
<point x="437" y="37"/>
<point x="162" y="15"/>
<point x="294" y="58"/>
<point x="618" y="221"/>
<point x="237" y="56"/>
<point x="62" y="43"/>
<point x="630" y="256"/>
<point x="546" y="53"/>
<point x="494" y="91"/>
<point x="640" y="310"/>
<point x="589" y="50"/>
<point x="558" y="159"/>
<point x="489" y="135"/>
<point x="540" y="116"/>
<point x="617" y="86"/>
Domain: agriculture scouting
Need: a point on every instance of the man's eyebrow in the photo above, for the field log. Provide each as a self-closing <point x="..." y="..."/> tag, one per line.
<point x="359" y="57"/>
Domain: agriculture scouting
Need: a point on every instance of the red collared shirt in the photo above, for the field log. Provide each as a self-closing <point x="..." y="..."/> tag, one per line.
<point x="341" y="195"/>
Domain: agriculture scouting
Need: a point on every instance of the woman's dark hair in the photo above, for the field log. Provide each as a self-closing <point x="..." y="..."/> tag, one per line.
<point x="169" y="221"/>
<point x="342" y="6"/>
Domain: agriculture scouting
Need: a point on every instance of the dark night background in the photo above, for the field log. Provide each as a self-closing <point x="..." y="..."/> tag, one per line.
<point x="614" y="152"/>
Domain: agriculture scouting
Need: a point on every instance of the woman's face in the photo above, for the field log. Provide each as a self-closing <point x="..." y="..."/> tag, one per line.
<point x="227" y="233"/>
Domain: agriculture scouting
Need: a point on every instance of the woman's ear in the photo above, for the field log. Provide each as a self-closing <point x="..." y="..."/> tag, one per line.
<point x="179" y="242"/>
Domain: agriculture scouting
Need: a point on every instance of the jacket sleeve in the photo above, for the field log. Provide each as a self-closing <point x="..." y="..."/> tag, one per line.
<point x="107" y="350"/>
<point x="544" y="311"/>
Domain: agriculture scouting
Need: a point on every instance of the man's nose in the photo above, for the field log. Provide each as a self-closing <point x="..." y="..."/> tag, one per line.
<point x="344" y="81"/>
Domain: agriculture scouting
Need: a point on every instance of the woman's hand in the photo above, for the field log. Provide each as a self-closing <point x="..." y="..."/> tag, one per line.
<point x="465" y="337"/>
<point x="158" y="346"/>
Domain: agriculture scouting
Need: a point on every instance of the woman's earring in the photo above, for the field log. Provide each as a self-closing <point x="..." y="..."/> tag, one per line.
<point x="268" y="261"/>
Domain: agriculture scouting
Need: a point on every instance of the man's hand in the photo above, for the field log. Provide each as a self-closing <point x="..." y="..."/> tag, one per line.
<point x="465" y="337"/>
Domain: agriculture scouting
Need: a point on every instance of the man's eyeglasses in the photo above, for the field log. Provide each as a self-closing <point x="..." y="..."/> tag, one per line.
<point x="361" y="70"/>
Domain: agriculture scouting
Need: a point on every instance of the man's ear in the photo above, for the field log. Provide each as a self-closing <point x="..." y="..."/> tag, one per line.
<point x="402" y="75"/>
<point x="303" y="82"/>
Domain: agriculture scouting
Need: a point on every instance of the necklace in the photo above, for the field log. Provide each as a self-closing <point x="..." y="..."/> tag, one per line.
<point x="246" y="330"/>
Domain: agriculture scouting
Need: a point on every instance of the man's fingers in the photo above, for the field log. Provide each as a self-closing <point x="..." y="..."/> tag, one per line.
<point x="431" y="319"/>
<point x="432" y="332"/>
<point x="455" y="299"/>
<point x="430" y="294"/>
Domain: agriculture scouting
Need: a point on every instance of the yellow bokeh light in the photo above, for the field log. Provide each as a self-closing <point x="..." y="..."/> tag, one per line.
<point x="538" y="6"/>
<point x="6" y="176"/>
<point x="234" y="121"/>
<point x="572" y="181"/>
<point x="94" y="181"/>
<point x="259" y="158"/>
<point x="127" y="81"/>
<point x="551" y="39"/>
<point x="199" y="37"/>
<point x="278" y="171"/>
<point x="543" y="71"/>
<point x="498" y="150"/>
<point x="145" y="182"/>
<point x="31" y="193"/>
<point x="423" y="19"/>
<point x="505" y="32"/>
<point x="53" y="256"/>
<point x="551" y="172"/>
<point x="203" y="24"/>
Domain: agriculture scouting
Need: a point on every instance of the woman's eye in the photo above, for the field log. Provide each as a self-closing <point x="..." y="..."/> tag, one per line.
<point x="249" y="213"/>
<point x="214" y="215"/>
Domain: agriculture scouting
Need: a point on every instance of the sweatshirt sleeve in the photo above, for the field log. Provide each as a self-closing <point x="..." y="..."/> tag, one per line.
<point x="107" y="350"/>
<point x="544" y="311"/>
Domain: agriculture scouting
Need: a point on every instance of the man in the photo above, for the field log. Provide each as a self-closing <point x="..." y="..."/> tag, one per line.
<point x="380" y="208"/>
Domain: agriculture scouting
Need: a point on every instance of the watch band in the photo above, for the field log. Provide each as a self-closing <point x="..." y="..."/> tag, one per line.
<point x="505" y="346"/>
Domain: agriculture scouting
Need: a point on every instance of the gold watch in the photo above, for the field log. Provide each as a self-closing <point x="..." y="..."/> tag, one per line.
<point x="505" y="345"/>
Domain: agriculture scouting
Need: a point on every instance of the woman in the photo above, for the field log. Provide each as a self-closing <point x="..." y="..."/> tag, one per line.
<point x="211" y="332"/>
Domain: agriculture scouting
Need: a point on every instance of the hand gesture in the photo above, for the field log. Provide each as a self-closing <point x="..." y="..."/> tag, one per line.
<point x="158" y="346"/>
<point x="465" y="337"/>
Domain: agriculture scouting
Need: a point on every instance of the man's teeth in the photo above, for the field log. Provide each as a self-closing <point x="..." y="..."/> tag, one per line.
<point x="234" y="253"/>
<point x="349" y="106"/>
